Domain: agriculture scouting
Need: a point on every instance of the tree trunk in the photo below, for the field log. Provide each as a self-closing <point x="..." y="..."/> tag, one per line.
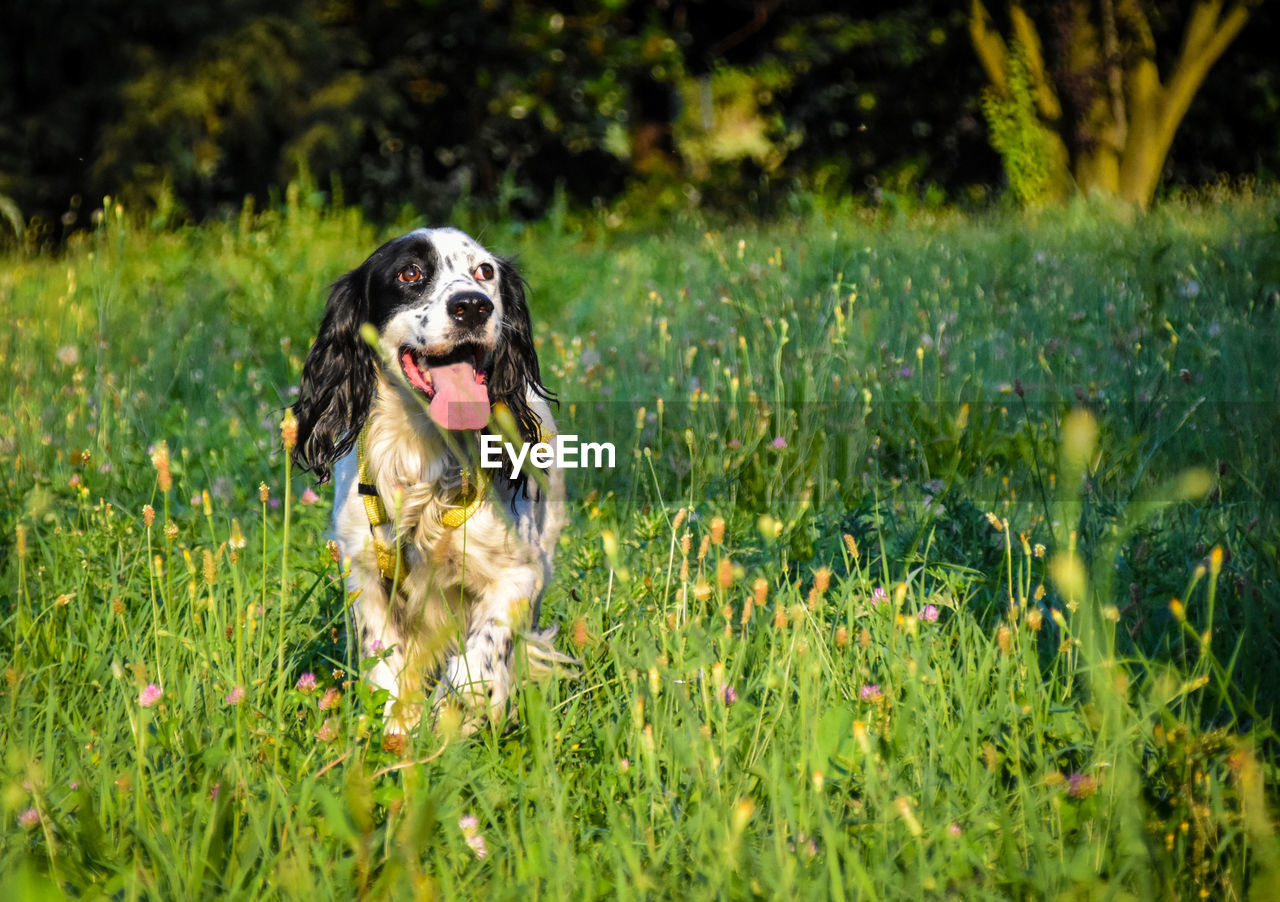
<point x="1125" y="119"/>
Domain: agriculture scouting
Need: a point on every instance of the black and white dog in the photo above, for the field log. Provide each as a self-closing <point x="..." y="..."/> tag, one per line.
<point x="447" y="565"/>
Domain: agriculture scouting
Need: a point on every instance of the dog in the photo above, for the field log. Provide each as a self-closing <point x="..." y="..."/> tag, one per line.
<point x="423" y="348"/>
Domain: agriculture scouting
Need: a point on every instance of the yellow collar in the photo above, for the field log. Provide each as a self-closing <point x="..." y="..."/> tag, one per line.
<point x="390" y="556"/>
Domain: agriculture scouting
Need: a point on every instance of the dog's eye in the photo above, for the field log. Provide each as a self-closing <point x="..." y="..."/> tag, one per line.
<point x="484" y="272"/>
<point x="411" y="273"/>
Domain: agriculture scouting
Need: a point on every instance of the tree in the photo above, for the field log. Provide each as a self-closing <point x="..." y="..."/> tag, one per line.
<point x="1101" y="117"/>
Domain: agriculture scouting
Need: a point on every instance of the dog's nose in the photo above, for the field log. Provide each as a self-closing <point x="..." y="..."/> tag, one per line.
<point x="470" y="309"/>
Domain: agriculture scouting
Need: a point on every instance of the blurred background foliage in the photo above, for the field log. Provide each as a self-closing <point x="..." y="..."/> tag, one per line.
<point x="183" y="110"/>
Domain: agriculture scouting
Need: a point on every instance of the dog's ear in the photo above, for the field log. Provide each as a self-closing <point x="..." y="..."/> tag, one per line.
<point x="338" y="379"/>
<point x="515" y="365"/>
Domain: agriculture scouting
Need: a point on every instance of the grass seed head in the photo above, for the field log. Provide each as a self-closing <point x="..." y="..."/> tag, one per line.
<point x="160" y="460"/>
<point x="289" y="430"/>
<point x="209" y="567"/>
<point x="724" y="573"/>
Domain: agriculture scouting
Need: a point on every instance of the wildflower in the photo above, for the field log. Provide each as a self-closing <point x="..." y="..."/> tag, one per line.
<point x="1035" y="619"/>
<point x="578" y="634"/>
<point x="954" y="830"/>
<point x="29" y="819"/>
<point x="330" y="699"/>
<point x="779" y="443"/>
<point x="871" y="692"/>
<point x="306" y="683"/>
<point x="879" y="595"/>
<point x="213" y="792"/>
<point x="929" y="614"/>
<point x="470" y="828"/>
<point x="328" y="730"/>
<point x="235" y="696"/>
<point x="1081" y="786"/>
<point x="1038" y="550"/>
<point x="150" y="695"/>
<point x="730" y="695"/>
<point x="308" y="496"/>
<point x="68" y="355"/>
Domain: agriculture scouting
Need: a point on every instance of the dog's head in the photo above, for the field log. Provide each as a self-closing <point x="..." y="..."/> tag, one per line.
<point x="452" y="320"/>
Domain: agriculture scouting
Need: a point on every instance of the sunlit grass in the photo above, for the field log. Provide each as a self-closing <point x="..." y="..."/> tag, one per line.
<point x="865" y="610"/>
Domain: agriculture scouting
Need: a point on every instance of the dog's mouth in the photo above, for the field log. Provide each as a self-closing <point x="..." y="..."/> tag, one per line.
<point x="453" y="384"/>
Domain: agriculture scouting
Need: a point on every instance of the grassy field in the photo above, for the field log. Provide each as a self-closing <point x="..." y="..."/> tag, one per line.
<point x="940" y="560"/>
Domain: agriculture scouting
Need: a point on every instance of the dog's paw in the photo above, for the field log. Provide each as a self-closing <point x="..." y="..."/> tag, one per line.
<point x="400" y="718"/>
<point x="476" y="688"/>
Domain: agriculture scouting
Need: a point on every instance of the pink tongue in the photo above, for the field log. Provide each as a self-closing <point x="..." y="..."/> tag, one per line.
<point x="461" y="401"/>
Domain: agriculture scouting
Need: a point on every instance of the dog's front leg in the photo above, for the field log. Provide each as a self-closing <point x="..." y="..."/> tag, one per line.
<point x="378" y="637"/>
<point x="478" y="676"/>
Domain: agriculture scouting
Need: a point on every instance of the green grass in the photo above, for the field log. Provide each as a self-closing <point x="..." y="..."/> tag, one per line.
<point x="865" y="610"/>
